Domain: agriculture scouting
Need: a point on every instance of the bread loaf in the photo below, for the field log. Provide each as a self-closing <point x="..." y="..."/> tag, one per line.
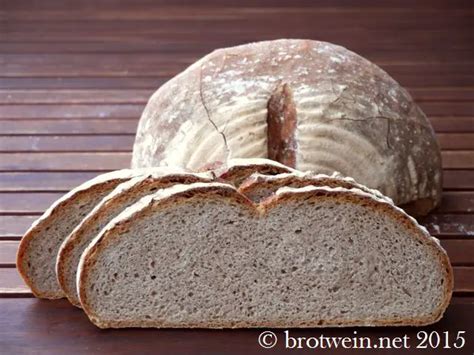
<point x="203" y="255"/>
<point x="307" y="104"/>
<point x="36" y="257"/>
<point x="121" y="197"/>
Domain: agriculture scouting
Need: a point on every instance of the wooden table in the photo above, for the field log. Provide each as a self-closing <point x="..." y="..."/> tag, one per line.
<point x="75" y="76"/>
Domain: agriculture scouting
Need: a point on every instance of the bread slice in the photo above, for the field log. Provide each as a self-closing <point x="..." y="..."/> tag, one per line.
<point x="203" y="255"/>
<point x="259" y="186"/>
<point x="36" y="257"/>
<point x="121" y="197"/>
<point x="235" y="171"/>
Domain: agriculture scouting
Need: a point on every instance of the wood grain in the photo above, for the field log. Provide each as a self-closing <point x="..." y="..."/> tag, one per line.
<point x="70" y="111"/>
<point x="38" y="202"/>
<point x="43" y="181"/>
<point x="78" y="143"/>
<point x="68" y="127"/>
<point x="61" y="97"/>
<point x="75" y="77"/>
<point x="56" y="327"/>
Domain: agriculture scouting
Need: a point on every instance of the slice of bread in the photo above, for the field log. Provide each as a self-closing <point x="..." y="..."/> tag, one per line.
<point x="36" y="257"/>
<point x="121" y="197"/>
<point x="203" y="255"/>
<point x="259" y="186"/>
<point x="237" y="170"/>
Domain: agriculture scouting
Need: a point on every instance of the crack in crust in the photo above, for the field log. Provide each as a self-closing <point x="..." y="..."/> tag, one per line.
<point x="208" y="114"/>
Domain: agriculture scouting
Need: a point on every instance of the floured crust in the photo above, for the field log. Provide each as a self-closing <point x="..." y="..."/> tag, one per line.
<point x="180" y="193"/>
<point x="159" y="178"/>
<point x="256" y="182"/>
<point x="237" y="170"/>
<point x="345" y="114"/>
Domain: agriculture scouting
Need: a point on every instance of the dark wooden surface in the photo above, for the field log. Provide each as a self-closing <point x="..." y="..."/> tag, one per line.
<point x="75" y="76"/>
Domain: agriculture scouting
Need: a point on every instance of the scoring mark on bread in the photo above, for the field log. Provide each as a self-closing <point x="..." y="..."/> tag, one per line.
<point x="281" y="126"/>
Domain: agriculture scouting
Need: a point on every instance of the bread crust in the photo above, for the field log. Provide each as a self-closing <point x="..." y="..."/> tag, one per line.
<point x="257" y="182"/>
<point x="159" y="181"/>
<point x="285" y="195"/>
<point x="350" y="115"/>
<point x="92" y="186"/>
<point x="236" y="171"/>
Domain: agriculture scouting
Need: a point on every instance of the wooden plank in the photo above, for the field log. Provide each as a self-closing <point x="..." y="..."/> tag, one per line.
<point x="232" y="30"/>
<point x="159" y="9"/>
<point x="449" y="225"/>
<point x="55" y="127"/>
<point x="11" y="282"/>
<point x="124" y="143"/>
<point x="101" y="8"/>
<point x="55" y="327"/>
<point x="43" y="181"/>
<point x="26" y="203"/>
<point x="57" y="82"/>
<point x="95" y="143"/>
<point x="453" y="124"/>
<point x="456" y="141"/>
<point x="8" y="253"/>
<point x="13" y="227"/>
<point x="448" y="108"/>
<point x="297" y="20"/>
<point x="461" y="252"/>
<point x="456" y="201"/>
<point x="64" y="161"/>
<point x="38" y="202"/>
<point x="198" y="48"/>
<point x="458" y="159"/>
<point x="442" y="94"/>
<point x="458" y="179"/>
<point x="463" y="279"/>
<point x="136" y="96"/>
<point x="47" y="111"/>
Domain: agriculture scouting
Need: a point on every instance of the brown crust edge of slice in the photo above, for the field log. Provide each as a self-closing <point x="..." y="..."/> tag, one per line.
<point x="65" y="251"/>
<point x="252" y="183"/>
<point x="36" y="228"/>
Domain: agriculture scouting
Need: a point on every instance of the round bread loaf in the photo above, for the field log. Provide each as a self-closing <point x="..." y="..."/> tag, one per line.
<point x="307" y="104"/>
